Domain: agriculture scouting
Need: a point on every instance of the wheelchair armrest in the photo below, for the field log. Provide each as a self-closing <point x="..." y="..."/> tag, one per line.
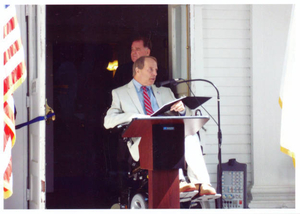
<point x="119" y="128"/>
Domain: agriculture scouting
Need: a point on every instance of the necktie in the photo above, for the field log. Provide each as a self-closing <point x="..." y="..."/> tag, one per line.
<point x="147" y="101"/>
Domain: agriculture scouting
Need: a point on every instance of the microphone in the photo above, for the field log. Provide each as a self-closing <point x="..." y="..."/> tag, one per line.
<point x="171" y="81"/>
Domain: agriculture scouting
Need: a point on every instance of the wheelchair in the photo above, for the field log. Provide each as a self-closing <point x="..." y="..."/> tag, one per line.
<point x="135" y="195"/>
<point x="134" y="190"/>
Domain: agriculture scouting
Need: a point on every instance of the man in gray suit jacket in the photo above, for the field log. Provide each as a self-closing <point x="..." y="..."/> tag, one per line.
<point x="128" y="103"/>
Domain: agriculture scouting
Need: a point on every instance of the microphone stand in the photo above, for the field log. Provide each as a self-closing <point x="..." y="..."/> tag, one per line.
<point x="219" y="180"/>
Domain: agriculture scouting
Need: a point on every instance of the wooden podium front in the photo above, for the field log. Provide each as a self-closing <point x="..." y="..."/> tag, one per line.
<point x="161" y="152"/>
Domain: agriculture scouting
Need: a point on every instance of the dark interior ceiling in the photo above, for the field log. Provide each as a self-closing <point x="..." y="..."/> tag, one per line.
<point x="121" y="20"/>
<point x="110" y="24"/>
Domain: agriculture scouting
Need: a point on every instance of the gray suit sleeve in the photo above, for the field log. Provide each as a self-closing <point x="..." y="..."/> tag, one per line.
<point x="115" y="114"/>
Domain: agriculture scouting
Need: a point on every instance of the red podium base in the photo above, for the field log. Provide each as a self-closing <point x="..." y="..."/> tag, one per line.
<point x="163" y="189"/>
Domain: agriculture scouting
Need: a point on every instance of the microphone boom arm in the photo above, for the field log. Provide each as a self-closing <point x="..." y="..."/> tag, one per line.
<point x="219" y="189"/>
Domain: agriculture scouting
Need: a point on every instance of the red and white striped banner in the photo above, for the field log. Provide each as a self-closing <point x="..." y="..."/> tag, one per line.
<point x="14" y="73"/>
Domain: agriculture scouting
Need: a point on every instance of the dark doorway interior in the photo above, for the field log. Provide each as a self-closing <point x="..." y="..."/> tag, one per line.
<point x="81" y="40"/>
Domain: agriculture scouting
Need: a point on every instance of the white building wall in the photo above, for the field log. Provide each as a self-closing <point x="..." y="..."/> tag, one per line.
<point x="240" y="48"/>
<point x="221" y="54"/>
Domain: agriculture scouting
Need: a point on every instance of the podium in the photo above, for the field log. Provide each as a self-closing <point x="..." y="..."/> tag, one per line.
<point x="161" y="152"/>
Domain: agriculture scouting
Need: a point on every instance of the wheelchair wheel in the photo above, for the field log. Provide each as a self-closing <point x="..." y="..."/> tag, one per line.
<point x="139" y="201"/>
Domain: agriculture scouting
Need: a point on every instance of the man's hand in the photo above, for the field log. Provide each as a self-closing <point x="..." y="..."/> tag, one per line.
<point x="178" y="107"/>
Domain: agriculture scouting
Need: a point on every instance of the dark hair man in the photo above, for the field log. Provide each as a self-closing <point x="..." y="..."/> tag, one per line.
<point x="140" y="46"/>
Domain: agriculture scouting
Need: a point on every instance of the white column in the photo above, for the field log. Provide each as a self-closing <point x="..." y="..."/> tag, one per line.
<point x="196" y="46"/>
<point x="273" y="171"/>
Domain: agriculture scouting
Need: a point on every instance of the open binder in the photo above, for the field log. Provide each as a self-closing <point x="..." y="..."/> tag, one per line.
<point x="191" y="102"/>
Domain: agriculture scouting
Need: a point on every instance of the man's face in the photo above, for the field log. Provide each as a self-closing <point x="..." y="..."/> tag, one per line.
<point x="138" y="50"/>
<point x="147" y="75"/>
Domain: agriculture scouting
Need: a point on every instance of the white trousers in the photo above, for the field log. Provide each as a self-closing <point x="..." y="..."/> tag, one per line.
<point x="196" y="170"/>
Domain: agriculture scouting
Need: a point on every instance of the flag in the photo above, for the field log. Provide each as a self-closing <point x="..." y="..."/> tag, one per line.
<point x="289" y="95"/>
<point x="14" y="73"/>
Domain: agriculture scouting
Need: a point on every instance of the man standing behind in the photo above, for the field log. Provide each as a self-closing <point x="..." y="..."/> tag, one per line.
<point x="140" y="46"/>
